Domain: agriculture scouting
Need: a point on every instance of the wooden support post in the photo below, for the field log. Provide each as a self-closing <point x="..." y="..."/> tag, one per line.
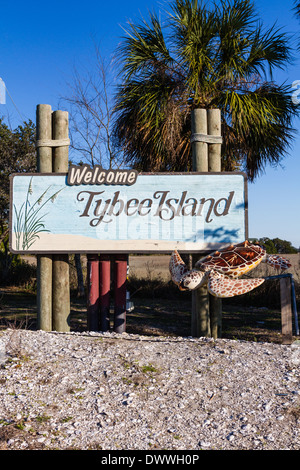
<point x="60" y="294"/>
<point x="286" y="311"/>
<point x="200" y="299"/>
<point x="199" y="149"/>
<point x="206" y="154"/>
<point x="200" y="313"/>
<point x="44" y="292"/>
<point x="93" y="292"/>
<point x="104" y="291"/>
<point x="61" y="282"/>
<point x="44" y="262"/>
<point x="120" y="293"/>
<point x="214" y="129"/>
<point x="214" y="164"/>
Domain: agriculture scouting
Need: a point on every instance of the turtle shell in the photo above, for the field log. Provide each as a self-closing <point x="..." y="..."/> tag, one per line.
<point x="234" y="260"/>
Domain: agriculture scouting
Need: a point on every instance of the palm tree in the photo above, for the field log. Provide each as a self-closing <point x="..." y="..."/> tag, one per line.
<point x="296" y="10"/>
<point x="218" y="57"/>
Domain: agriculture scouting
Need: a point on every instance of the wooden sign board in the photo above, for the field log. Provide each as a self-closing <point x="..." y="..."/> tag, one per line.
<point x="92" y="212"/>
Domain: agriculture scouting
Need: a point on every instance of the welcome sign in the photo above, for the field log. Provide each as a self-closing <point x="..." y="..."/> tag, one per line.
<point x="96" y="210"/>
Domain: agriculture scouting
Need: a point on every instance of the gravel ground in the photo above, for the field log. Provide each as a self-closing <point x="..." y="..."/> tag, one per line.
<point x="106" y="391"/>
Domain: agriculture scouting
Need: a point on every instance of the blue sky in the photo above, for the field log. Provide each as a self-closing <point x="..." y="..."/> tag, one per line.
<point x="41" y="43"/>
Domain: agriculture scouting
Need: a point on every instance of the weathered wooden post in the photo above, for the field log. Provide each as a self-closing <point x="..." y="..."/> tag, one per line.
<point x="199" y="145"/>
<point x="206" y="155"/>
<point x="214" y="165"/>
<point x="286" y="310"/>
<point x="214" y="139"/>
<point x="61" y="281"/>
<point x="53" y="290"/>
<point x="200" y="299"/>
<point x="44" y="262"/>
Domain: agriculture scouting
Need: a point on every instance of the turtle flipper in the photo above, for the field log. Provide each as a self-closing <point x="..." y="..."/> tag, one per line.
<point x="181" y="276"/>
<point x="277" y="262"/>
<point x="223" y="286"/>
<point x="177" y="267"/>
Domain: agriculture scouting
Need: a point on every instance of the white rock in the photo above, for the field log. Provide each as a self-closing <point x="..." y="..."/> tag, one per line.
<point x="83" y="390"/>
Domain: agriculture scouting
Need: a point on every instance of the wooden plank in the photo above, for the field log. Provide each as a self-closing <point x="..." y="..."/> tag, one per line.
<point x="286" y="311"/>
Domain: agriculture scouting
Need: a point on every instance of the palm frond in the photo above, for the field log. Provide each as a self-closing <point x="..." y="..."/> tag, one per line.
<point x="262" y="121"/>
<point x="206" y="55"/>
<point x="144" y="48"/>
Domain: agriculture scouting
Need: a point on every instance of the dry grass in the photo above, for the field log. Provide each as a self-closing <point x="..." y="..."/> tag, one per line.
<point x="161" y="309"/>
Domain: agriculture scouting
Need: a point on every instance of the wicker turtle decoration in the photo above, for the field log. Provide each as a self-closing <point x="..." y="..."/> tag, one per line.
<point x="221" y="269"/>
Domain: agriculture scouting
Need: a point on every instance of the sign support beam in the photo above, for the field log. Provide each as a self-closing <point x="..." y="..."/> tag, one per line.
<point x="53" y="292"/>
<point x="44" y="262"/>
<point x="206" y="157"/>
<point x="214" y="164"/>
<point x="61" y="281"/>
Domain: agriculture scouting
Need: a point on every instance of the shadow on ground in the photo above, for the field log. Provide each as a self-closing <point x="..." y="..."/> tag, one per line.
<point x="158" y="317"/>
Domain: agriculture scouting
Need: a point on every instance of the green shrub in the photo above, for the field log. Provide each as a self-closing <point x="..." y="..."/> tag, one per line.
<point x="16" y="271"/>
